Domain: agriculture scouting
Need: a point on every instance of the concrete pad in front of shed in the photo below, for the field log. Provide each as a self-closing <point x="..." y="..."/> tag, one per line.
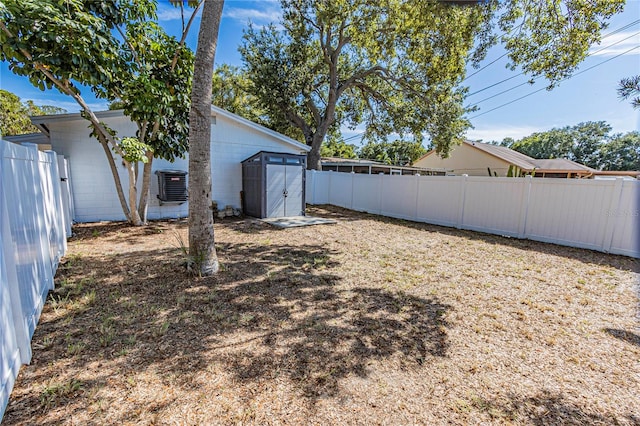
<point x="294" y="221"/>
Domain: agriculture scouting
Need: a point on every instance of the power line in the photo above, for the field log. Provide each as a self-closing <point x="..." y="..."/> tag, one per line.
<point x="539" y="90"/>
<point x="624" y="27"/>
<point x="489" y="64"/>
<point x="533" y="81"/>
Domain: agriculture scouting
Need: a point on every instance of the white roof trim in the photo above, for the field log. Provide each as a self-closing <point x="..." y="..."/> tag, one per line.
<point x="234" y="117"/>
<point x="45" y="119"/>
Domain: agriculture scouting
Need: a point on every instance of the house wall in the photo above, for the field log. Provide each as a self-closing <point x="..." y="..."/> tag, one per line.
<point x="231" y="143"/>
<point x="465" y="159"/>
<point x="94" y="193"/>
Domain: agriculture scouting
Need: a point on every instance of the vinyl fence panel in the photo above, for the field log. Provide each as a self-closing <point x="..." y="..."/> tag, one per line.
<point x="33" y="239"/>
<point x="624" y="217"/>
<point x="366" y="193"/>
<point x="440" y="199"/>
<point x="595" y="214"/>
<point x="399" y="198"/>
<point x="493" y="205"/>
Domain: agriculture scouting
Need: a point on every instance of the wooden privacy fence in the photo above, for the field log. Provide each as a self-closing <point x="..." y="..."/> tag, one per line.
<point x="601" y="215"/>
<point x="32" y="241"/>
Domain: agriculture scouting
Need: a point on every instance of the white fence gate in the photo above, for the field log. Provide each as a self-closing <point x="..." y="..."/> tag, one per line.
<point x="600" y="215"/>
<point x="32" y="239"/>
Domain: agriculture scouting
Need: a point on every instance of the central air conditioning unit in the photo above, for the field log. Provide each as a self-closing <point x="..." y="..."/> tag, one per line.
<point x="172" y="186"/>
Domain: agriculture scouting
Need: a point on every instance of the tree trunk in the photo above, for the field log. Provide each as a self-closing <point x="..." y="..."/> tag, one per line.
<point x="146" y="184"/>
<point x="313" y="156"/>
<point x="201" y="239"/>
<point x="116" y="179"/>
<point x="133" y="195"/>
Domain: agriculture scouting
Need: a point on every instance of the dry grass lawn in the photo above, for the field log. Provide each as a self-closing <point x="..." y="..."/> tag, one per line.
<point x="368" y="321"/>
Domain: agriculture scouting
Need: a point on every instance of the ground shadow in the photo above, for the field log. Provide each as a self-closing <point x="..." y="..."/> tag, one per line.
<point x="544" y="409"/>
<point x="623" y="263"/>
<point x="272" y="310"/>
<point x="624" y="335"/>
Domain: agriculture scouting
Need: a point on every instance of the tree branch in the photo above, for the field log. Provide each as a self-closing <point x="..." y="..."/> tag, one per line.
<point x="185" y="32"/>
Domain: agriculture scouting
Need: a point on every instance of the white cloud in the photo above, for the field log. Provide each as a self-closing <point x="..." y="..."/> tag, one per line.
<point x="167" y="12"/>
<point x="499" y="132"/>
<point x="255" y="16"/>
<point x="616" y="44"/>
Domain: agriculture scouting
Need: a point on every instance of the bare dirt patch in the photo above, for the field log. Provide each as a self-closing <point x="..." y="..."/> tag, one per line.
<point x="368" y="321"/>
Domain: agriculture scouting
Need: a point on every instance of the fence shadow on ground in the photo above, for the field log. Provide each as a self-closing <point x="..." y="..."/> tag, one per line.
<point x="624" y="335"/>
<point x="542" y="409"/>
<point x="272" y="311"/>
<point x="583" y="255"/>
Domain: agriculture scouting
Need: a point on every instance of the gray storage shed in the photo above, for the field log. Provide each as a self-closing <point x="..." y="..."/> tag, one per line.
<point x="273" y="184"/>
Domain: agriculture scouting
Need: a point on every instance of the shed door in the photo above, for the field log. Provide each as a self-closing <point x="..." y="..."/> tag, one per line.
<point x="276" y="186"/>
<point x="293" y="200"/>
<point x="284" y="190"/>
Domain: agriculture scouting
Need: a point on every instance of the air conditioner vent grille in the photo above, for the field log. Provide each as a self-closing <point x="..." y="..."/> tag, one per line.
<point x="172" y="186"/>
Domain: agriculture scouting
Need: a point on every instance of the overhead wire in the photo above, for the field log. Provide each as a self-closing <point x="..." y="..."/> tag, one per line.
<point x="620" y="29"/>
<point x="544" y="88"/>
<point x="624" y="27"/>
<point x="533" y="81"/>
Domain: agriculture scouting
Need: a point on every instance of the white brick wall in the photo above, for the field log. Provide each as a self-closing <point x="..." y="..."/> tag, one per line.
<point x="94" y="192"/>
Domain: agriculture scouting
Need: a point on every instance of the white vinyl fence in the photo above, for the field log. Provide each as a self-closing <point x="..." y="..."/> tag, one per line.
<point x="600" y="215"/>
<point x="32" y="240"/>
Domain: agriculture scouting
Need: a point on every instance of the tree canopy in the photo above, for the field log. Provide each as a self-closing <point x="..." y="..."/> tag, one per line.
<point x="398" y="66"/>
<point x="397" y="153"/>
<point x="590" y="143"/>
<point x="334" y="147"/>
<point x="14" y="114"/>
<point x="630" y="89"/>
<point x="113" y="48"/>
<point x="579" y="143"/>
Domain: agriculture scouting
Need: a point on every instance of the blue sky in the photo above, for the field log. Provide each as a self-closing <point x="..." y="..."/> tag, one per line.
<point x="589" y="96"/>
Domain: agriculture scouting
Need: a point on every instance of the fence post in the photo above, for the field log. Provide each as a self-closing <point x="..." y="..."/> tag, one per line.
<point x="415" y="212"/>
<point x="463" y="195"/>
<point x="380" y="190"/>
<point x="311" y="184"/>
<point x="353" y="178"/>
<point x="524" y="206"/>
<point x="611" y="215"/>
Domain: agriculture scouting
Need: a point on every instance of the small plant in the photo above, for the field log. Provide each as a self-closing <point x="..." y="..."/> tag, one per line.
<point x="47" y="342"/>
<point x="107" y="334"/>
<point x="162" y="330"/>
<point x="191" y="262"/>
<point x="54" y="392"/>
<point x="75" y="348"/>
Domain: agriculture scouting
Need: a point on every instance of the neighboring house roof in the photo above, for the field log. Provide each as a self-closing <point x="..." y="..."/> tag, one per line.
<point x="509" y="155"/>
<point x="561" y="165"/>
<point x="360" y="163"/>
<point x="42" y="121"/>
<point x="351" y="161"/>
<point x="526" y="163"/>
